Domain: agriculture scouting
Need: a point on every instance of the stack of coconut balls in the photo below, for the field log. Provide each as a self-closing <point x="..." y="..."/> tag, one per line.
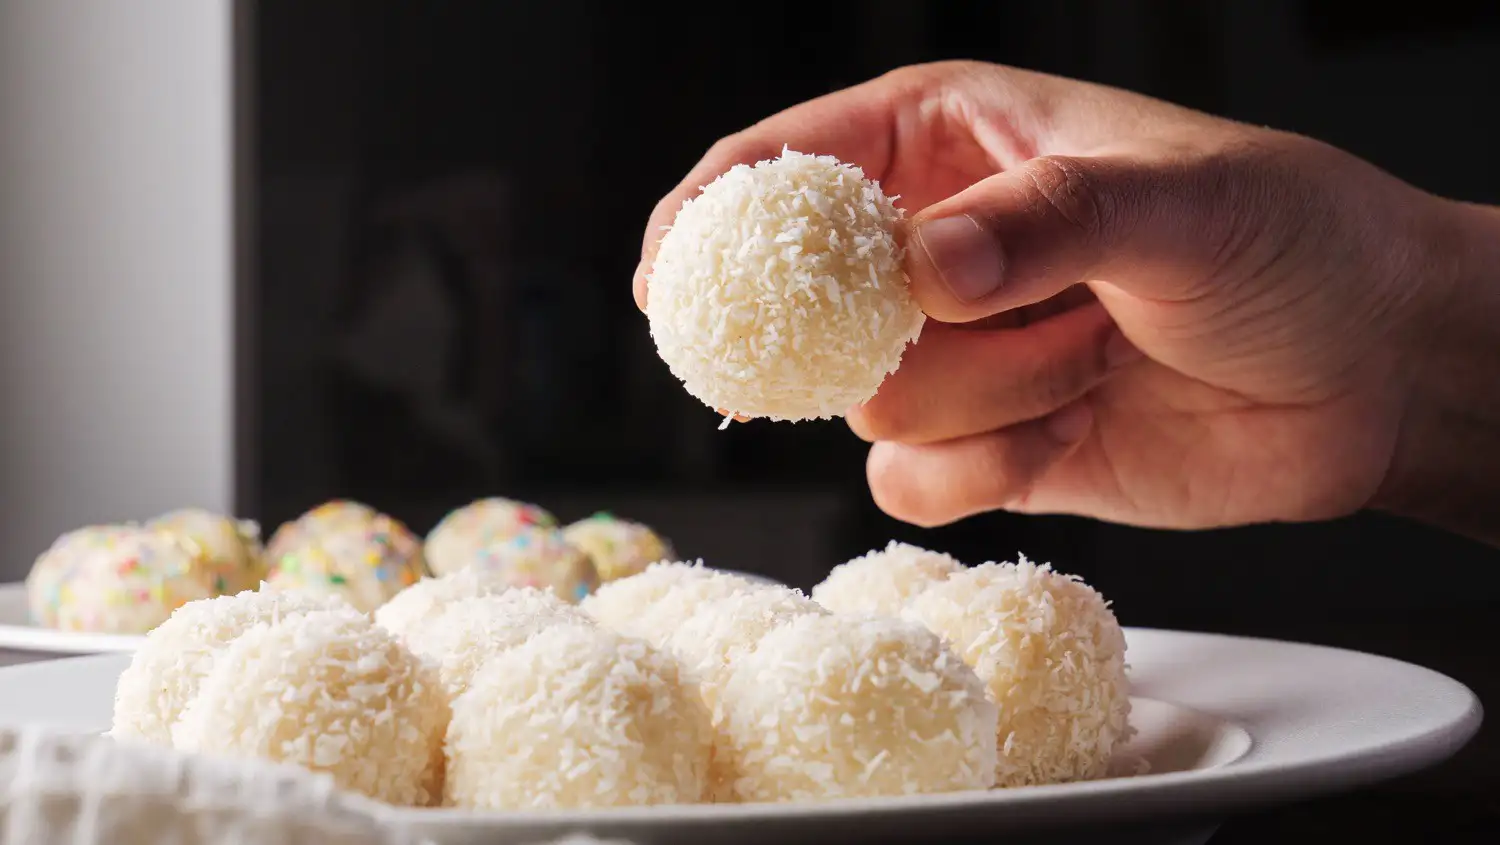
<point x="905" y="672"/>
<point x="549" y="667"/>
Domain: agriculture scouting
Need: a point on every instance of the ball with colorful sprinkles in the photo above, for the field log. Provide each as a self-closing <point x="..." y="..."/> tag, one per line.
<point x="455" y="542"/>
<point x="541" y="558"/>
<point x="367" y="565"/>
<point x="116" y="579"/>
<point x="232" y="545"/>
<point x="619" y="547"/>
<point x="333" y="515"/>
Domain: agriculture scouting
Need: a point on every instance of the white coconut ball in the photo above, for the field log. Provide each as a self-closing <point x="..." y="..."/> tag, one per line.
<point x="414" y="606"/>
<point x="615" y="603"/>
<point x="778" y="291"/>
<point x="332" y="692"/>
<point x="834" y="706"/>
<point x="656" y="619"/>
<point x="1053" y="657"/>
<point x="718" y="631"/>
<point x="577" y="717"/>
<point x="883" y="581"/>
<point x="465" y="633"/>
<point x="165" y="672"/>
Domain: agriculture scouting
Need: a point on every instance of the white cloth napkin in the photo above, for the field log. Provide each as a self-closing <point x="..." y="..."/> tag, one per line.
<point x="83" y="789"/>
<point x="69" y="789"/>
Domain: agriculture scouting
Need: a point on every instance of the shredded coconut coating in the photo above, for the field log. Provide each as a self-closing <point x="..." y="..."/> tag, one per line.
<point x="616" y="603"/>
<point x="232" y="546"/>
<point x="714" y="638"/>
<point x="656" y="620"/>
<point x="883" y="581"/>
<point x="329" y="691"/>
<point x="165" y="672"/>
<point x="415" y="605"/>
<point x="1053" y="657"/>
<point x="834" y="706"/>
<point x="718" y="631"/>
<point x="454" y="543"/>
<point x="778" y="291"/>
<point x="465" y="633"/>
<point x="333" y="515"/>
<point x="116" y="579"/>
<point x="577" y="717"/>
<point x="618" y="547"/>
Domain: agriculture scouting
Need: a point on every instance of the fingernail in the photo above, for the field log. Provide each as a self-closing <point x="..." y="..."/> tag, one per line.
<point x="1119" y="351"/>
<point x="1071" y="424"/>
<point x="966" y="257"/>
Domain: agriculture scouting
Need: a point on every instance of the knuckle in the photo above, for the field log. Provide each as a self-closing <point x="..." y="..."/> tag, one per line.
<point x="1068" y="188"/>
<point x="1050" y="381"/>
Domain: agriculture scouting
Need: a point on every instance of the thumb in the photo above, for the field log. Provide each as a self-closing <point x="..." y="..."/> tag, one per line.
<point x="1025" y="235"/>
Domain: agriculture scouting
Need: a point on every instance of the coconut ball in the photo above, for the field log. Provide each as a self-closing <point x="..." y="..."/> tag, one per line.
<point x="454" y="543"/>
<point x="331" y="516"/>
<point x="664" y="611"/>
<point x="165" y="672"/>
<point x="414" y="606"/>
<point x="367" y="564"/>
<point x="778" y="292"/>
<point x="1053" y="657"/>
<point x="718" y="631"/>
<point x="618" y="547"/>
<point x="332" y="692"/>
<point x="463" y="634"/>
<point x="577" y="717"/>
<point x="116" y="579"/>
<point x="615" y="603"/>
<point x="883" y="581"/>
<point x="835" y="706"/>
<point x="231" y="545"/>
<point x="540" y="558"/>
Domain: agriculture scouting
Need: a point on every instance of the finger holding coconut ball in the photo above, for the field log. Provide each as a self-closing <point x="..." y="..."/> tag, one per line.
<point x="778" y="291"/>
<point x="1052" y="655"/>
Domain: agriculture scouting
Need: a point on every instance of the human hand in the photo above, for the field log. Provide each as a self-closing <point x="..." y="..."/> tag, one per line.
<point x="1140" y="313"/>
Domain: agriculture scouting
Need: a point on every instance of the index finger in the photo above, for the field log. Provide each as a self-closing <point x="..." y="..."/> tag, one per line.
<point x="855" y="125"/>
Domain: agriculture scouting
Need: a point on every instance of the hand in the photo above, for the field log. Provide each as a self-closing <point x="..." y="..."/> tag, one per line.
<point x="1140" y="313"/>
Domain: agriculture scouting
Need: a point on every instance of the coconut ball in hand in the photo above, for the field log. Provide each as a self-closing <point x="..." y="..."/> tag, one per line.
<point x="778" y="291"/>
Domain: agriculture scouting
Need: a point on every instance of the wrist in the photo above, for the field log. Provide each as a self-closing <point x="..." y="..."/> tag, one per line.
<point x="1445" y="469"/>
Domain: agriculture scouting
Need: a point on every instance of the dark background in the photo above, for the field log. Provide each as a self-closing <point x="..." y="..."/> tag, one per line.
<point x="448" y="205"/>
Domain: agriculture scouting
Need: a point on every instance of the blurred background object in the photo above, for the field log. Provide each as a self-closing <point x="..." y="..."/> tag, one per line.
<point x="260" y="254"/>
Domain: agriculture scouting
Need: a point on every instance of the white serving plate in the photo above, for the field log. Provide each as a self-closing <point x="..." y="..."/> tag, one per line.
<point x="1225" y="723"/>
<point x="19" y="633"/>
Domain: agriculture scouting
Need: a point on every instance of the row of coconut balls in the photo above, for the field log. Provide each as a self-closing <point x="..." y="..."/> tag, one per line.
<point x="905" y="672"/>
<point x="126" y="578"/>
